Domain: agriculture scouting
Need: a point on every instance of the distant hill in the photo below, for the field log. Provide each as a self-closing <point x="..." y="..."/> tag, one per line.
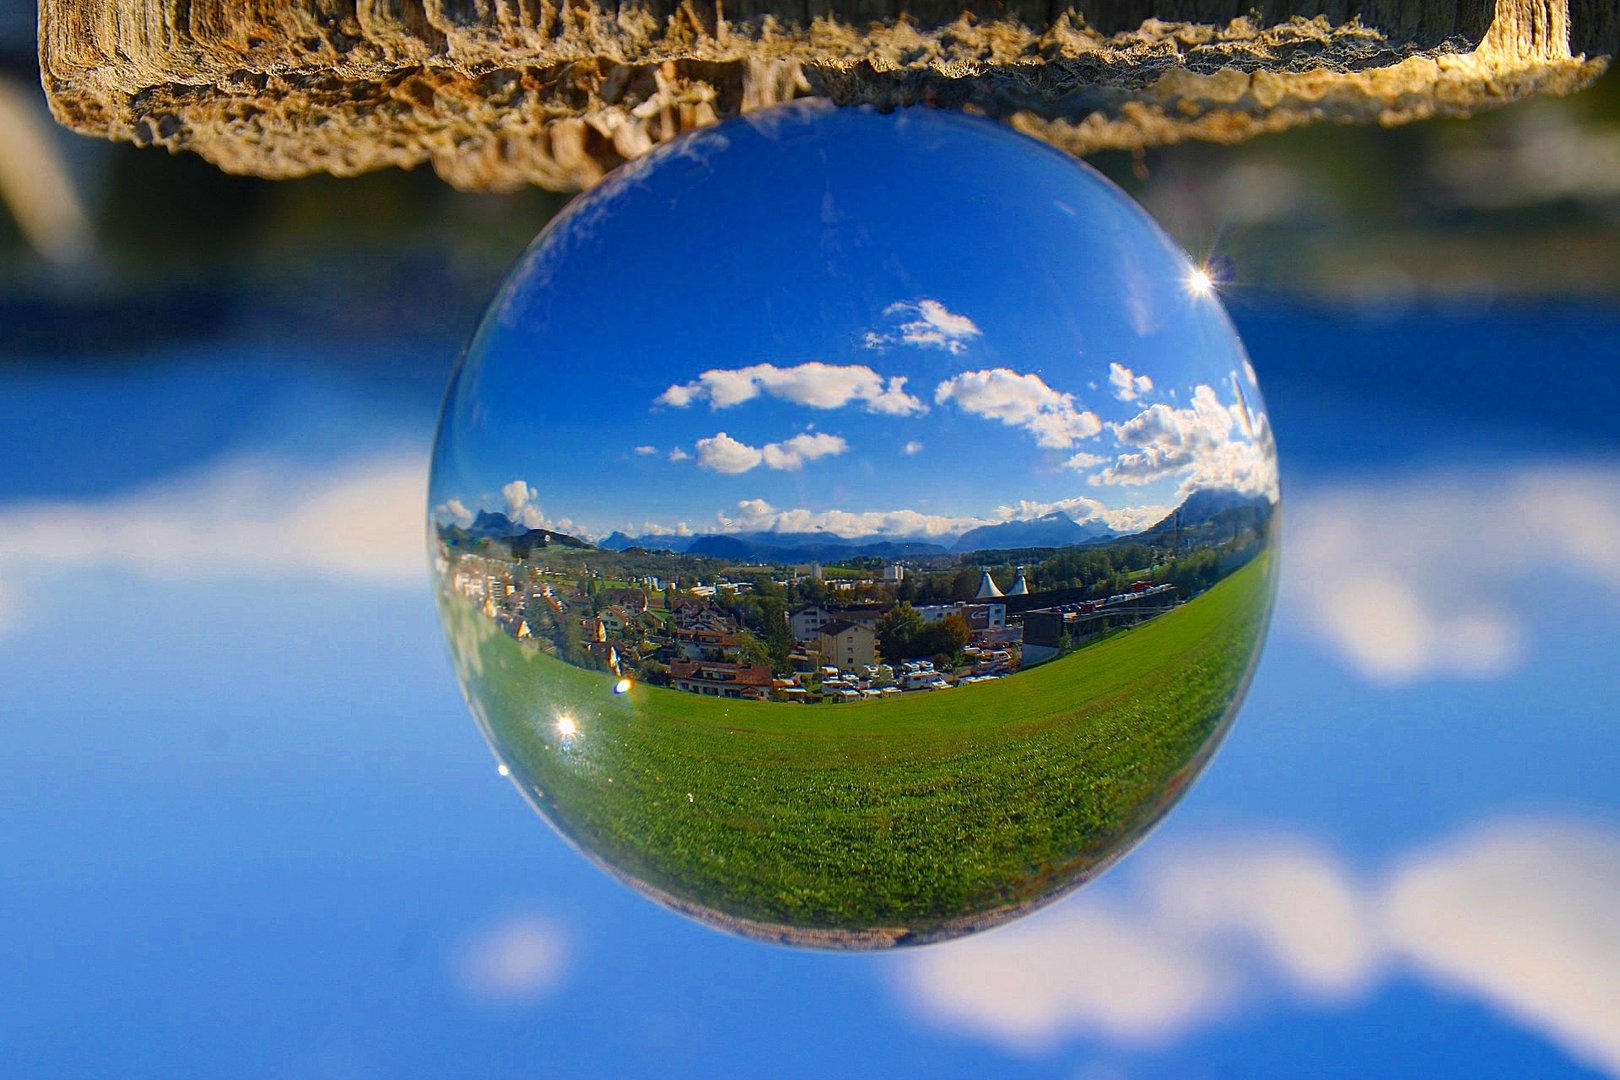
<point x="526" y="542"/>
<point x="492" y="525"/>
<point x="1053" y="530"/>
<point x="497" y="528"/>
<point x="1209" y="512"/>
<point x="618" y="541"/>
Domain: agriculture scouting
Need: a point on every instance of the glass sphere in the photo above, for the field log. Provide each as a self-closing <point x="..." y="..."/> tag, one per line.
<point x="854" y="529"/>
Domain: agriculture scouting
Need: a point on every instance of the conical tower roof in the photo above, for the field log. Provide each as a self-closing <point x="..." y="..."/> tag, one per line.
<point x="1020" y="587"/>
<point x="987" y="587"/>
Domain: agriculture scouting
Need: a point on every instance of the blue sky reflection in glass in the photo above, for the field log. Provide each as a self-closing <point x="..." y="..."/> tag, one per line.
<point x="819" y="320"/>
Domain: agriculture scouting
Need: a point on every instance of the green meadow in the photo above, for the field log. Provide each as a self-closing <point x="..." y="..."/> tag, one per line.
<point x="918" y="816"/>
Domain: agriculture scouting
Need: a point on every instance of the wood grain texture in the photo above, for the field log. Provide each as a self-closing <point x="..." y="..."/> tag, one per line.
<point x="496" y="94"/>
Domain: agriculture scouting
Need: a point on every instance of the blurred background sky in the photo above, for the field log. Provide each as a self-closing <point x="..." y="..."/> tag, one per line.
<point x="251" y="831"/>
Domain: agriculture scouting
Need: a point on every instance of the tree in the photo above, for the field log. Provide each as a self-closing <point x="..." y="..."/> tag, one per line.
<point x="571" y="639"/>
<point x="965" y="583"/>
<point x="897" y="631"/>
<point x="766" y="586"/>
<point x="778" y="637"/>
<point x="751" y="650"/>
<point x="947" y="637"/>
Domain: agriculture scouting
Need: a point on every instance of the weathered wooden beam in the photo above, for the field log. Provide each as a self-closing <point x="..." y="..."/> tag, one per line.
<point x="496" y="94"/>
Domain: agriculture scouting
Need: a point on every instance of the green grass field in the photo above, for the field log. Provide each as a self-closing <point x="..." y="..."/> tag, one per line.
<point x="915" y="814"/>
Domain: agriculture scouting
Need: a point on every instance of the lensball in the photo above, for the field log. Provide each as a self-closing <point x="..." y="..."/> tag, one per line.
<point x="854" y="529"/>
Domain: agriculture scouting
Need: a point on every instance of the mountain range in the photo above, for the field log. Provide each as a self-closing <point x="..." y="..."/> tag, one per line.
<point x="1203" y="511"/>
<point x="1208" y="511"/>
<point x="1056" y="529"/>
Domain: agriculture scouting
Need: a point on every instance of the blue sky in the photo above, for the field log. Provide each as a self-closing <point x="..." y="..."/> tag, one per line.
<point x="935" y="324"/>
<point x="253" y="832"/>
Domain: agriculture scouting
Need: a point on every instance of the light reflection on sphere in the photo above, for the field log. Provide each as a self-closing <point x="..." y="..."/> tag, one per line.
<point x="854" y="529"/>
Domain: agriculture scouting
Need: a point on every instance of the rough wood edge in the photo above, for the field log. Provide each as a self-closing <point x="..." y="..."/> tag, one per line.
<point x="497" y="94"/>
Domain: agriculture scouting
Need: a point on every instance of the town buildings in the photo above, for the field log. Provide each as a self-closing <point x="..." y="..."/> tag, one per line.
<point x="806" y="623"/>
<point x="693" y="641"/>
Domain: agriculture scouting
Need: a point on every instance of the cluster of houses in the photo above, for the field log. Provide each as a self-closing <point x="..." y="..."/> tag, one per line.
<point x="847" y="636"/>
<point x="835" y="654"/>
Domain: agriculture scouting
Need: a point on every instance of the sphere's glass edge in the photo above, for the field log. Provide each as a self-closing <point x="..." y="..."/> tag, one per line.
<point x="845" y="939"/>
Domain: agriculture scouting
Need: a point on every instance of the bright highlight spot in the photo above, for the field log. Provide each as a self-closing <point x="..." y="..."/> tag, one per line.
<point x="622" y="686"/>
<point x="566" y="726"/>
<point x="503" y="770"/>
<point x="1199" y="282"/>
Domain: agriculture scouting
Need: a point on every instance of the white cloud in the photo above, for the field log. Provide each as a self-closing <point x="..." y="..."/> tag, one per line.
<point x="1205" y="934"/>
<point x="757" y="515"/>
<point x="678" y="454"/>
<point x="653" y="528"/>
<point x="927" y="324"/>
<point x="1022" y="401"/>
<point x="1128" y="386"/>
<point x="912" y="447"/>
<point x="519" y="959"/>
<point x="1517" y="914"/>
<point x="723" y="454"/>
<point x="1205" y="445"/>
<point x="646" y="451"/>
<point x="1294" y="903"/>
<point x="455" y="510"/>
<point x="813" y="385"/>
<point x="1085" y="971"/>
<point x="794" y="452"/>
<point x="1084" y="460"/>
<point x="1133" y="519"/>
<point x="521" y="509"/>
<point x="1523" y="916"/>
<point x="1081" y="509"/>
<point x="359" y="521"/>
<point x="1426" y="576"/>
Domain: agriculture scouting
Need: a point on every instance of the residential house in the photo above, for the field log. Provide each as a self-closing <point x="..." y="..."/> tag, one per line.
<point x="848" y="644"/>
<point x="719" y="679"/>
<point x="632" y="601"/>
<point x="806" y="622"/>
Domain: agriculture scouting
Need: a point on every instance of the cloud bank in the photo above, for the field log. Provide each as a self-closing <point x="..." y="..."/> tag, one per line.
<point x="757" y="515"/>
<point x="356" y="522"/>
<point x="1519" y="914"/>
<point x="1418" y="577"/>
<point x="1205" y="445"/>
